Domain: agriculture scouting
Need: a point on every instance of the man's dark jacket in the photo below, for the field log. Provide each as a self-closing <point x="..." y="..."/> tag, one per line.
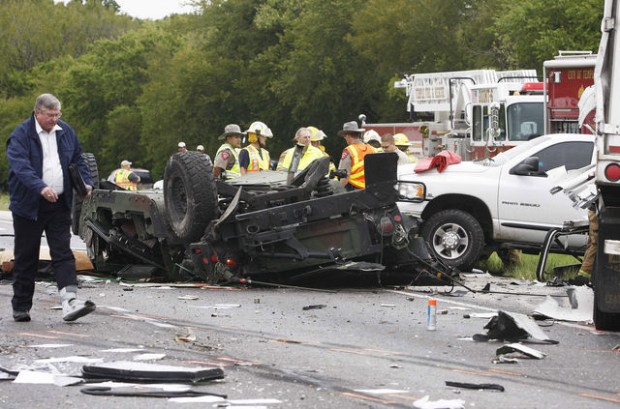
<point x="25" y="155"/>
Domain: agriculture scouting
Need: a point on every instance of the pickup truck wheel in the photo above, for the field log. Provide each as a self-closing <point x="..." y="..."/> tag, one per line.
<point x="455" y="238"/>
<point x="91" y="162"/>
<point x="190" y="194"/>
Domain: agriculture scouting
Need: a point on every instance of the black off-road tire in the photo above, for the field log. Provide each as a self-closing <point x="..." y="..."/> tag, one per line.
<point x="190" y="194"/>
<point x="76" y="208"/>
<point x="455" y="237"/>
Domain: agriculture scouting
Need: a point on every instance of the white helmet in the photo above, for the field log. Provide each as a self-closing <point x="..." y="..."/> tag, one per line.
<point x="371" y="135"/>
<point x="267" y="132"/>
<point x="258" y="128"/>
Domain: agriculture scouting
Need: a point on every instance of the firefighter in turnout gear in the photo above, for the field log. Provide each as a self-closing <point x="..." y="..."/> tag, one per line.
<point x="254" y="157"/>
<point x="352" y="159"/>
<point x="226" y="163"/>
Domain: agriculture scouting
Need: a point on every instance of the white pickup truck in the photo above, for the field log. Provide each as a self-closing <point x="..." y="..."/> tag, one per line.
<point x="474" y="208"/>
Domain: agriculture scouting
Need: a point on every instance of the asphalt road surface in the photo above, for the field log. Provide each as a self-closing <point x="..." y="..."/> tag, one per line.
<point x="293" y="348"/>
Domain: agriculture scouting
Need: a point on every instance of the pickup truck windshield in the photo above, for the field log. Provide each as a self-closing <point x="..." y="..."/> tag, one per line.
<point x="506" y="156"/>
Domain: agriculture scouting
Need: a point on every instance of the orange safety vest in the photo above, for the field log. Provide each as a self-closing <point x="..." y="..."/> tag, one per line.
<point x="256" y="162"/>
<point x="122" y="179"/>
<point x="358" y="151"/>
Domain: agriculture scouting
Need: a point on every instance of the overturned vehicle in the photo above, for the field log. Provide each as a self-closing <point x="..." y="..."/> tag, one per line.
<point x="268" y="226"/>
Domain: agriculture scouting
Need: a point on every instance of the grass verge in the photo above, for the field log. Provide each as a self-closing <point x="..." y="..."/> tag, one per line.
<point x="526" y="268"/>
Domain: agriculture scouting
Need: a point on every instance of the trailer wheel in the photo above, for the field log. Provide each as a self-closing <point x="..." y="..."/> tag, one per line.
<point x="91" y="162"/>
<point x="604" y="321"/>
<point x="190" y="194"/>
<point x="455" y="238"/>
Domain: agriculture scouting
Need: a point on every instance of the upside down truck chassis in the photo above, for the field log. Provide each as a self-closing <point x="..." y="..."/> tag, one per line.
<point x="256" y="226"/>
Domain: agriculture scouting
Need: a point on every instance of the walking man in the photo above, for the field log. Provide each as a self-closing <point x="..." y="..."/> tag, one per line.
<point x="39" y="152"/>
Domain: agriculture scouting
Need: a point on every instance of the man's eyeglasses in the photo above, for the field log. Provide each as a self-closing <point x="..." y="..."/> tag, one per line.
<point x="56" y="115"/>
<point x="385" y="146"/>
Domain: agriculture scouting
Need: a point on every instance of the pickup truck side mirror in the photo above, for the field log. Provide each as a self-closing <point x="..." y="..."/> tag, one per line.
<point x="529" y="167"/>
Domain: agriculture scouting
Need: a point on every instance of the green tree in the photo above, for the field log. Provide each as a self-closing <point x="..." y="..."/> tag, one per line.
<point x="530" y="31"/>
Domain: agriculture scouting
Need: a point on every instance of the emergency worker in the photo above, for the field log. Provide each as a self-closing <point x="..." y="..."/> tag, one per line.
<point x="301" y="155"/>
<point x="373" y="139"/>
<point x="388" y="145"/>
<point x="254" y="157"/>
<point x="316" y="136"/>
<point x="181" y="147"/>
<point x="352" y="159"/>
<point x="402" y="142"/>
<point x="126" y="178"/>
<point x="226" y="162"/>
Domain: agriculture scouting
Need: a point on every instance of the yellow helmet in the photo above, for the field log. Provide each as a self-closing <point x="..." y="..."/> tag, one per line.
<point x="316" y="134"/>
<point x="400" y="139"/>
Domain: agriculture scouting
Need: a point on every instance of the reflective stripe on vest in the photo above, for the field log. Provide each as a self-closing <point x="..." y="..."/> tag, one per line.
<point x="256" y="162"/>
<point x="358" y="151"/>
<point x="310" y="155"/>
<point x="234" y="171"/>
<point x="122" y="180"/>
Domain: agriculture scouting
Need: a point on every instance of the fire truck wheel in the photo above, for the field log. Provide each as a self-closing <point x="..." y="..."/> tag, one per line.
<point x="455" y="238"/>
<point x="190" y="194"/>
<point x="91" y="162"/>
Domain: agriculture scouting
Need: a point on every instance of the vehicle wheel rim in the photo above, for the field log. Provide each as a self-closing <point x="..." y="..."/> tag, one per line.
<point x="450" y="241"/>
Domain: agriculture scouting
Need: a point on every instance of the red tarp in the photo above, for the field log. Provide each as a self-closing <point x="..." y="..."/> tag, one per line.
<point x="439" y="161"/>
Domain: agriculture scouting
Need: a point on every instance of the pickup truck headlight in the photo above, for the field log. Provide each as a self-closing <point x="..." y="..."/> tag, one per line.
<point x="411" y="191"/>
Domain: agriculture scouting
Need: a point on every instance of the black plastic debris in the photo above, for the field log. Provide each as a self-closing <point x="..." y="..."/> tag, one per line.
<point x="314" y="307"/>
<point x="7" y="374"/>
<point x="129" y="391"/>
<point x="145" y="372"/>
<point x="477" y="386"/>
<point x="513" y="327"/>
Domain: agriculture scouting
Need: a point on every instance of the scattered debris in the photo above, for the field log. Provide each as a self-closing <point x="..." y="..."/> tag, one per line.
<point x="520" y="348"/>
<point x="477" y="386"/>
<point x="71" y="359"/>
<point x="188" y="337"/>
<point x="487" y="315"/>
<point x="314" y="307"/>
<point x="144" y="372"/>
<point x="40" y="377"/>
<point x="146" y="391"/>
<point x="187" y="297"/>
<point x="512" y="326"/>
<point x="424" y="403"/>
<point x="503" y="359"/>
<point x="581" y="300"/>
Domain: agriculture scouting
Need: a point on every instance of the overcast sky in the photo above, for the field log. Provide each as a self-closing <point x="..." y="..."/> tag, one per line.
<point x="152" y="9"/>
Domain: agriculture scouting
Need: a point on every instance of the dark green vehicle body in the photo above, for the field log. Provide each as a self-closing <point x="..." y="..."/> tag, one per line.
<point x="265" y="226"/>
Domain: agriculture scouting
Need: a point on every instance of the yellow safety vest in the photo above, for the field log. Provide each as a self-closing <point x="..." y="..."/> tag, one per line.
<point x="122" y="179"/>
<point x="310" y="155"/>
<point x="234" y="171"/>
<point x="256" y="162"/>
<point x="358" y="151"/>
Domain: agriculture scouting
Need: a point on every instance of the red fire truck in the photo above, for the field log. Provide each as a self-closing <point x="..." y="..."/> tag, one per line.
<point x="567" y="77"/>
